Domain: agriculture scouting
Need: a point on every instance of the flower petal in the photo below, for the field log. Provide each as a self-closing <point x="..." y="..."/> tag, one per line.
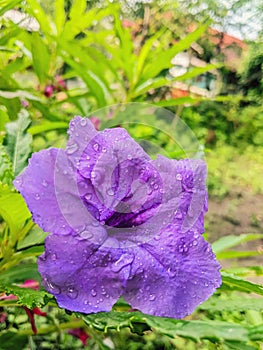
<point x="83" y="276"/>
<point x="172" y="275"/>
<point x="37" y="186"/>
<point x="49" y="186"/>
<point x="184" y="194"/>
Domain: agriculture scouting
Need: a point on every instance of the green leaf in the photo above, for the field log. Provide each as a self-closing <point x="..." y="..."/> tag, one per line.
<point x="13" y="209"/>
<point x="37" y="11"/>
<point x="6" y="167"/>
<point x="19" y="93"/>
<point x="195" y="71"/>
<point x="144" y="53"/>
<point x="40" y="56"/>
<point x="3" y="118"/>
<point x="125" y="49"/>
<point x="236" y="283"/>
<point x="27" y="297"/>
<point x="232" y="303"/>
<point x="10" y="4"/>
<point x="233" y="254"/>
<point x="163" y="60"/>
<point x="60" y="15"/>
<point x="12" y="340"/>
<point x="78" y="8"/>
<point x="194" y="330"/>
<point x="20" y="273"/>
<point x="246" y="271"/>
<point x="232" y="240"/>
<point x="35" y="237"/>
<point x="47" y="126"/>
<point x="177" y="101"/>
<point x="160" y="81"/>
<point x="93" y="82"/>
<point x="19" y="141"/>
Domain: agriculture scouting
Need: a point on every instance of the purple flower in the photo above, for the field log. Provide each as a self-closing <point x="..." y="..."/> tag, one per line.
<point x="121" y="224"/>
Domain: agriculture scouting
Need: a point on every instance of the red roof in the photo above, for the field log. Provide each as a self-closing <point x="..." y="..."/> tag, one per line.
<point x="225" y="40"/>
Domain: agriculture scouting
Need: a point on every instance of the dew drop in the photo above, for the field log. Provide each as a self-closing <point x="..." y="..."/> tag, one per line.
<point x="18" y="182"/>
<point x="72" y="293"/>
<point x="104" y="150"/>
<point x="152" y="297"/>
<point x="93" y="292"/>
<point x="95" y="223"/>
<point x="156" y="187"/>
<point x="110" y="192"/>
<point x="83" y="122"/>
<point x="88" y="196"/>
<point x="129" y="156"/>
<point x="44" y="183"/>
<point x="123" y="261"/>
<point x="86" y="234"/>
<point x="37" y="196"/>
<point x="179" y="177"/>
<point x="86" y="302"/>
<point x="194" y="243"/>
<point x="179" y="215"/>
<point x="93" y="174"/>
<point x="96" y="147"/>
<point x="72" y="148"/>
<point x="54" y="289"/>
<point x="54" y="257"/>
<point x="171" y="272"/>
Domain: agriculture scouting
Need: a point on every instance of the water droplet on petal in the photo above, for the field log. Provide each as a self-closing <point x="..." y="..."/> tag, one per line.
<point x="18" y="181"/>
<point x="123" y="261"/>
<point x="93" y="292"/>
<point x="194" y="243"/>
<point x="83" y="122"/>
<point x="44" y="183"/>
<point x="72" y="293"/>
<point x="53" y="288"/>
<point x="93" y="174"/>
<point x="37" y="196"/>
<point x="54" y="257"/>
<point x="110" y="192"/>
<point x="171" y="272"/>
<point x="179" y="177"/>
<point x="88" y="196"/>
<point x="96" y="147"/>
<point x="86" y="234"/>
<point x="72" y="148"/>
<point x="152" y="297"/>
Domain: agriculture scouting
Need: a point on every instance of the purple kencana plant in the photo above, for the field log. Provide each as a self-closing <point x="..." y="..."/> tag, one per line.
<point x="120" y="224"/>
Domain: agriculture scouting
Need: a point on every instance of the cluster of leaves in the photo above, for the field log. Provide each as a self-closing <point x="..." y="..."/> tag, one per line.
<point x="97" y="57"/>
